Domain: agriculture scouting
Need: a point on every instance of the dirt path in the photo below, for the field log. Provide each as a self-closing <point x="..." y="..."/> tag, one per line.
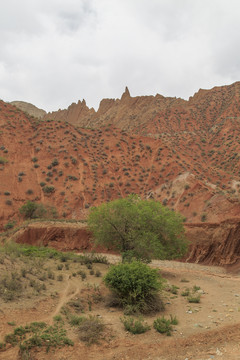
<point x="175" y="265"/>
<point x="70" y="291"/>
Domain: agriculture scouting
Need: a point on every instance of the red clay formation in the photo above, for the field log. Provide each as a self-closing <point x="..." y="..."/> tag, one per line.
<point x="182" y="153"/>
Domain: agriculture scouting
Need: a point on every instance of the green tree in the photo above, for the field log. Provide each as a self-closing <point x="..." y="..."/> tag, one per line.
<point x="138" y="228"/>
<point x="28" y="209"/>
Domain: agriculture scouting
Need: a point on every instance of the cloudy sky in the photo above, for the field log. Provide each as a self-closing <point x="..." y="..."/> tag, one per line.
<point x="55" y="52"/>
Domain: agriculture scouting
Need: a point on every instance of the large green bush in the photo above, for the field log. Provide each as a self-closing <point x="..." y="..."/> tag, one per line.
<point x="134" y="284"/>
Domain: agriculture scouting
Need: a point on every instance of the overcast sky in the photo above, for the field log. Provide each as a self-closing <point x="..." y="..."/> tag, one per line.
<point x="55" y="52"/>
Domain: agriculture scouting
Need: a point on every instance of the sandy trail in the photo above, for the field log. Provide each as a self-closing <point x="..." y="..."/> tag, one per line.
<point x="71" y="290"/>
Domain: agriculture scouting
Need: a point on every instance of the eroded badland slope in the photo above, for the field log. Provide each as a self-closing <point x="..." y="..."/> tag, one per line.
<point x="184" y="153"/>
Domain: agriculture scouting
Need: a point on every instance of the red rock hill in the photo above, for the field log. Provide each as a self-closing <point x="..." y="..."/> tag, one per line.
<point x="183" y="153"/>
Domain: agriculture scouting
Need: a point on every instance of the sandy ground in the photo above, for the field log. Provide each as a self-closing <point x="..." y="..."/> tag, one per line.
<point x="206" y="330"/>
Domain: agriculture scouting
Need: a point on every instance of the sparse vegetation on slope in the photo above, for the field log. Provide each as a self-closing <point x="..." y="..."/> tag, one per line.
<point x="86" y="167"/>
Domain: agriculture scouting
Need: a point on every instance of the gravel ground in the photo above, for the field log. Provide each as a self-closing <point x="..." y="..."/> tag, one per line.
<point x="114" y="259"/>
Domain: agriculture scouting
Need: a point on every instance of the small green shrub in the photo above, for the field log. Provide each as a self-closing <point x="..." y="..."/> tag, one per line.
<point x="58" y="318"/>
<point x="3" y="160"/>
<point x="9" y="225"/>
<point x="76" y="320"/>
<point x="29" y="192"/>
<point x="174" y="320"/>
<point x="194" y="298"/>
<point x="55" y="162"/>
<point x="98" y="273"/>
<point x="11" y="323"/>
<point x="185" y="292"/>
<point x="82" y="274"/>
<point x="39" y="335"/>
<point x="135" y="326"/>
<point x="64" y="258"/>
<point x="28" y="209"/>
<point x="10" y="287"/>
<point x="196" y="288"/>
<point x="90" y="330"/>
<point x="32" y="210"/>
<point x="48" y="189"/>
<point x="76" y="305"/>
<point x="173" y="289"/>
<point x="23" y="272"/>
<point x="50" y="275"/>
<point x="164" y="326"/>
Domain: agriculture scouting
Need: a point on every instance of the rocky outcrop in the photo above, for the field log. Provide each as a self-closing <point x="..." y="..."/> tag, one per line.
<point x="73" y="113"/>
<point x="214" y="243"/>
<point x="157" y="114"/>
<point x="128" y="113"/>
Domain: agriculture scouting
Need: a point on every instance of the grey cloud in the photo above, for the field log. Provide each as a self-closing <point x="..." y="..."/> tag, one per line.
<point x="55" y="52"/>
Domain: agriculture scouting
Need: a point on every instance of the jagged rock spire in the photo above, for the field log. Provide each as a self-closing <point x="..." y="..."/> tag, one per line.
<point x="126" y="94"/>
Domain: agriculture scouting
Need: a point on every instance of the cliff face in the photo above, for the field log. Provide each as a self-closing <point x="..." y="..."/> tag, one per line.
<point x="73" y="114"/>
<point x="214" y="244"/>
<point x="61" y="237"/>
<point x="157" y="114"/>
<point x="128" y="113"/>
